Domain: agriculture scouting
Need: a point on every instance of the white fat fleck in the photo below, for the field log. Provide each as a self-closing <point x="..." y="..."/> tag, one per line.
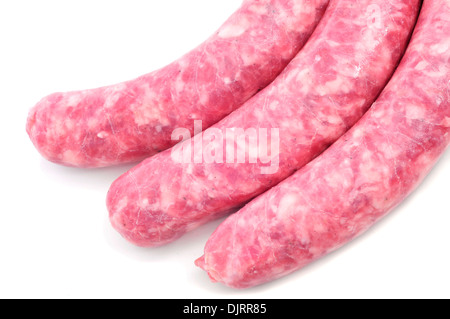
<point x="338" y="85"/>
<point x="211" y="194"/>
<point x="331" y="87"/>
<point x="234" y="30"/>
<point x="287" y="205"/>
<point x="446" y="121"/>
<point x="291" y="125"/>
<point x="333" y="44"/>
<point x="370" y="42"/>
<point x="337" y="180"/>
<point x="247" y="59"/>
<point x="440" y="48"/>
<point x="443" y="70"/>
<point x="357" y="71"/>
<point x="113" y="95"/>
<point x="374" y="16"/>
<point x="414" y="112"/>
<point x="422" y="65"/>
<point x="259" y="115"/>
<point x="258" y="9"/>
<point x="70" y="125"/>
<point x="300" y="76"/>
<point x="369" y="168"/>
<point x="372" y="30"/>
<point x="390" y="151"/>
<point x="180" y="84"/>
<point x="146" y="115"/>
<point x="70" y="156"/>
<point x="102" y="135"/>
<point x="204" y="98"/>
<point x="148" y="111"/>
<point x="319" y="228"/>
<point x="300" y="8"/>
<point x="167" y="199"/>
<point x="379" y="112"/>
<point x="274" y="105"/>
<point x="144" y="203"/>
<point x="122" y="204"/>
<point x="335" y="120"/>
<point x="74" y="99"/>
<point x="273" y="208"/>
<point x="304" y="81"/>
<point x="358" y="132"/>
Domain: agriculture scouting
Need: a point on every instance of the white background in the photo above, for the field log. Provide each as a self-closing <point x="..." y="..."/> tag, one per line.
<point x="55" y="237"/>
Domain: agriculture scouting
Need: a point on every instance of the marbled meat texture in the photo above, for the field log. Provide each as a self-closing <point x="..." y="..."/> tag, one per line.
<point x="361" y="178"/>
<point x="131" y="121"/>
<point x="323" y="92"/>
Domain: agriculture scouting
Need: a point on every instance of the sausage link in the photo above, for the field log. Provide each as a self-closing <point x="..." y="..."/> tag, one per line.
<point x="320" y="95"/>
<point x="130" y="121"/>
<point x="360" y="179"/>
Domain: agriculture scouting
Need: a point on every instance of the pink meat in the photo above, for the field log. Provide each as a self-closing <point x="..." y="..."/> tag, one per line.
<point x="130" y="121"/>
<point x="361" y="178"/>
<point x="322" y="93"/>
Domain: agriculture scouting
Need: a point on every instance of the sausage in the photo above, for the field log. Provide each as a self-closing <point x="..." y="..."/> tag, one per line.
<point x="360" y="179"/>
<point x="133" y="120"/>
<point x="321" y="94"/>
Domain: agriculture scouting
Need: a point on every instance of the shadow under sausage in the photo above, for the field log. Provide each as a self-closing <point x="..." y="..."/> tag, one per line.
<point x="90" y="178"/>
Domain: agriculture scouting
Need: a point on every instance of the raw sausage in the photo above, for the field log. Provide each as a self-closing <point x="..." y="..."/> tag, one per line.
<point x="361" y="178"/>
<point x="320" y="95"/>
<point x="130" y="121"/>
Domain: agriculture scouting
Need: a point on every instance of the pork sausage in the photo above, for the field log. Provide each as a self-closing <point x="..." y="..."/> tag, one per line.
<point x="356" y="182"/>
<point x="321" y="94"/>
<point x="133" y="120"/>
